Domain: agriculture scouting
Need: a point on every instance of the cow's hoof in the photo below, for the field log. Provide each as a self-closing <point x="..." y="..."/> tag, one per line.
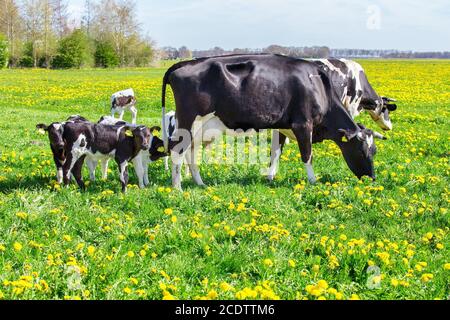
<point x="270" y="178"/>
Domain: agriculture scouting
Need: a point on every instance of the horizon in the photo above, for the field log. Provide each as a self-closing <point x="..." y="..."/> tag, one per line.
<point x="367" y="25"/>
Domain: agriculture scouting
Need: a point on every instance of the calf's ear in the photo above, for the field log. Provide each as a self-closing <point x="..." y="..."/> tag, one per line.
<point x="41" y="127"/>
<point x="129" y="131"/>
<point x="156" y="128"/>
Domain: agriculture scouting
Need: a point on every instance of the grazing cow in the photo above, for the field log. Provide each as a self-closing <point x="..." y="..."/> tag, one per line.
<point x="350" y="82"/>
<point x="55" y="133"/>
<point x="241" y="94"/>
<point x="124" y="100"/>
<point x="352" y="86"/>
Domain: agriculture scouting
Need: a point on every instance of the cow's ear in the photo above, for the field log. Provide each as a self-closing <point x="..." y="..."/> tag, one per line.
<point x="42" y="127"/>
<point x="391" y="107"/>
<point x="155" y="130"/>
<point x="347" y="135"/>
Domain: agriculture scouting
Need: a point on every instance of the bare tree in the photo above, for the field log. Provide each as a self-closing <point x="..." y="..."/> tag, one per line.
<point x="88" y="16"/>
<point x="60" y="18"/>
<point x="11" y="25"/>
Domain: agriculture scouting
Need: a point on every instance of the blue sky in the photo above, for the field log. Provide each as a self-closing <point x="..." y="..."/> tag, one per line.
<point x="368" y="24"/>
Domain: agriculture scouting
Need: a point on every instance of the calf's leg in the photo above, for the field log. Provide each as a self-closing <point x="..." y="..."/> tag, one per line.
<point x="123" y="173"/>
<point x="133" y="114"/>
<point x="77" y="173"/>
<point x="105" y="163"/>
<point x="92" y="166"/>
<point x="139" y="169"/>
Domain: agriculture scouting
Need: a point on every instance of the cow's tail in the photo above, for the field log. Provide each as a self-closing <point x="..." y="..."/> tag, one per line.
<point x="163" y="103"/>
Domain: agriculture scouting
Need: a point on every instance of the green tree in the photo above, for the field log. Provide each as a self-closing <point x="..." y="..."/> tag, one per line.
<point x="4" y="52"/>
<point x="105" y="55"/>
<point x="73" y="51"/>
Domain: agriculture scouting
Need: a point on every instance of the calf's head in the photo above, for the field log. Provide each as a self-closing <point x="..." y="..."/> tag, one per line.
<point x="55" y="134"/>
<point x="141" y="136"/>
<point x="157" y="149"/>
<point x="359" y="149"/>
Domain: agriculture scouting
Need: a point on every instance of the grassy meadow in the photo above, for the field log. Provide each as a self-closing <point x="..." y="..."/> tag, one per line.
<point x="242" y="237"/>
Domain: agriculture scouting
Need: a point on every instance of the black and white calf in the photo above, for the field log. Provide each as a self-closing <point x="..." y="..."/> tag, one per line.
<point x="156" y="148"/>
<point x="122" y="101"/>
<point x="122" y="143"/>
<point x="55" y="133"/>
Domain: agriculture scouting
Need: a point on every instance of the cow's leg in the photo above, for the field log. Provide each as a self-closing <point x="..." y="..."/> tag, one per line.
<point x="133" y="114"/>
<point x="77" y="173"/>
<point x="123" y="173"/>
<point x="278" y="142"/>
<point x="105" y="163"/>
<point x="121" y="114"/>
<point x="191" y="159"/>
<point x="166" y="163"/>
<point x="304" y="133"/>
<point x="139" y="169"/>
<point x="92" y="166"/>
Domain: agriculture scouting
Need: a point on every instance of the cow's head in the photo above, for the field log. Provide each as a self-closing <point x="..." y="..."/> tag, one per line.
<point x="381" y="113"/>
<point x="359" y="149"/>
<point x="55" y="134"/>
<point x="141" y="135"/>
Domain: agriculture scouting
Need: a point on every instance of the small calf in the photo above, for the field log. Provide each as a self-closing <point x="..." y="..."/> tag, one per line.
<point x="55" y="133"/>
<point x="124" y="100"/>
<point x="123" y="143"/>
<point x="156" y="149"/>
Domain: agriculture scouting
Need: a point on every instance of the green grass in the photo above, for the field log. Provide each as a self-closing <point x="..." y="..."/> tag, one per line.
<point x="247" y="237"/>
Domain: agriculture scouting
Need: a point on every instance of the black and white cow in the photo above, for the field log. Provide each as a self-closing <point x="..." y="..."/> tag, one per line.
<point x="55" y="133"/>
<point x="350" y="82"/>
<point x="352" y="86"/>
<point x="122" y="101"/>
<point x="241" y="94"/>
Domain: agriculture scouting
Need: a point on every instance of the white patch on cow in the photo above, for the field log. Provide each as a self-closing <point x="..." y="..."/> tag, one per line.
<point x="370" y="141"/>
<point x="109" y="121"/>
<point x="123" y="93"/>
<point x="78" y="150"/>
<point x="104" y="164"/>
<point x="123" y="167"/>
<point x="273" y="170"/>
<point x="332" y="67"/>
<point x="58" y="127"/>
<point x="354" y="71"/>
<point x="60" y="175"/>
<point x="212" y="128"/>
<point x="310" y="171"/>
<point x="138" y="163"/>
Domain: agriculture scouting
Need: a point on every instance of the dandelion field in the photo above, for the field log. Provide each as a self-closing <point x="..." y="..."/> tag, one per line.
<point x="242" y="237"/>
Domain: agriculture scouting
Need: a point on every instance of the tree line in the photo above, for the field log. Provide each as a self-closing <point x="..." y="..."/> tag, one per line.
<point x="42" y="33"/>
